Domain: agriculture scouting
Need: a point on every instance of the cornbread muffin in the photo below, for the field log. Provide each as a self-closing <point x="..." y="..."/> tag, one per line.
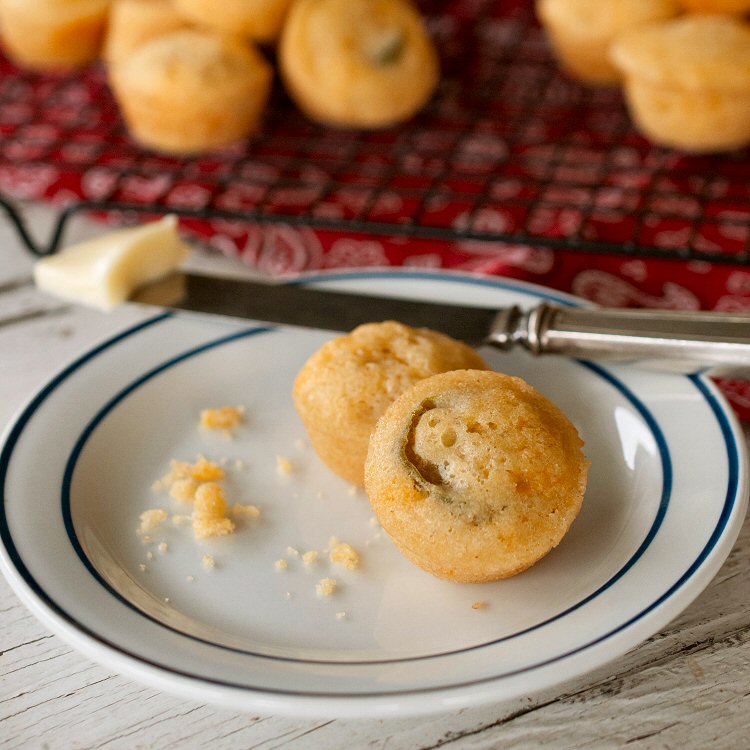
<point x="133" y="22"/>
<point x="260" y="20"/>
<point x="475" y="475"/>
<point x="53" y="34"/>
<point x="349" y="382"/>
<point x="731" y="7"/>
<point x="581" y="31"/>
<point x="192" y="91"/>
<point x="357" y="63"/>
<point x="687" y="81"/>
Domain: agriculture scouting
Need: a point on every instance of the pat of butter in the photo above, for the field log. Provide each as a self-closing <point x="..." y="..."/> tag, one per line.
<point x="105" y="271"/>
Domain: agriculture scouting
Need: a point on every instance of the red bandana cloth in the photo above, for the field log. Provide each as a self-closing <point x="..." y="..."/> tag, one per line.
<point x="513" y="170"/>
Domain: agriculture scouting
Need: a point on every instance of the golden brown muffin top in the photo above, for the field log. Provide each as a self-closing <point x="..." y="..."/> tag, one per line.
<point x="486" y="446"/>
<point x="692" y="52"/>
<point x="475" y="475"/>
<point x="134" y="22"/>
<point x="192" y="58"/>
<point x="366" y="34"/>
<point x="599" y="18"/>
<point x="368" y="368"/>
<point x="59" y="10"/>
<point x="476" y="440"/>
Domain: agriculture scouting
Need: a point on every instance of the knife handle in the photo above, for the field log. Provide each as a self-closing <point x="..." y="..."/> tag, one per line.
<point x="677" y="341"/>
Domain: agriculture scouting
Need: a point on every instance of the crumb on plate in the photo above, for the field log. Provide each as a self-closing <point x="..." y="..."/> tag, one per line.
<point x="284" y="466"/>
<point x="345" y="555"/>
<point x="204" y="470"/>
<point x="325" y="587"/>
<point x="206" y="528"/>
<point x="184" y="489"/>
<point x="310" y="557"/>
<point x="222" y="418"/>
<point x="150" y="519"/>
<point x="245" y="511"/>
<point x="209" y="512"/>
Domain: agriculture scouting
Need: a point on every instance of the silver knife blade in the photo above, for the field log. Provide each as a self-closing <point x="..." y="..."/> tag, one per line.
<point x="294" y="305"/>
<point x="686" y="342"/>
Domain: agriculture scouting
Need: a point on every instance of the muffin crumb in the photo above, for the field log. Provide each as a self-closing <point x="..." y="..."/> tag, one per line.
<point x="222" y="418"/>
<point x="209" y="513"/>
<point x="310" y="557"/>
<point x="150" y="519"/>
<point x="345" y="555"/>
<point x="245" y="511"/>
<point x="184" y="490"/>
<point x="325" y="587"/>
<point x="284" y="466"/>
<point x="204" y="470"/>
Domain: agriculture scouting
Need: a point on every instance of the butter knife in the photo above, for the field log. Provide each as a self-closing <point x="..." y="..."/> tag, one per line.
<point x="717" y="344"/>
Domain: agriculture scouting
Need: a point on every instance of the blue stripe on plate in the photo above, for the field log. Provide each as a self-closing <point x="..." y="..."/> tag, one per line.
<point x="80" y="444"/>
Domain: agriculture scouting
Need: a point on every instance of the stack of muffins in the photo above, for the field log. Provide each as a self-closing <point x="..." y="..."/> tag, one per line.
<point x="193" y="75"/>
<point x="684" y="64"/>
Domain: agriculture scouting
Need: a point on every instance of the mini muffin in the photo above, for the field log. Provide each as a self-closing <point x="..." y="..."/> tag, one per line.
<point x="133" y="22"/>
<point x="730" y="7"/>
<point x="192" y="91"/>
<point x="349" y="382"/>
<point x="358" y="63"/>
<point x="53" y="34"/>
<point x="260" y="20"/>
<point x="475" y="475"/>
<point x="581" y="31"/>
<point x="687" y="81"/>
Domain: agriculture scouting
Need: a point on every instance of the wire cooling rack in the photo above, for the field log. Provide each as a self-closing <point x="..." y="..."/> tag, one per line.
<point x="510" y="150"/>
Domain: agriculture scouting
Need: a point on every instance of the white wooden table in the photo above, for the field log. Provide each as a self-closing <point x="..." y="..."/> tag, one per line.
<point x="687" y="687"/>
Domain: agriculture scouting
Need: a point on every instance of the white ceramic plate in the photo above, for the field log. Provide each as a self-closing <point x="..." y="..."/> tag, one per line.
<point x="664" y="505"/>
